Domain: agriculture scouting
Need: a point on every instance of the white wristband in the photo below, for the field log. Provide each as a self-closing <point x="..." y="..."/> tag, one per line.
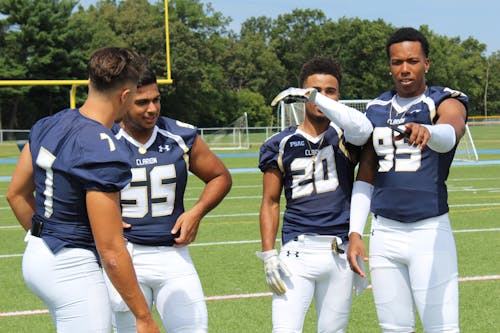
<point x="357" y="128"/>
<point x="360" y="206"/>
<point x="443" y="137"/>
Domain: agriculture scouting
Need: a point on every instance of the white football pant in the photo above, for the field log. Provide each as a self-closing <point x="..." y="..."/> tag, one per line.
<point x="316" y="272"/>
<point x="169" y="280"/>
<point x="71" y="284"/>
<point x="414" y="264"/>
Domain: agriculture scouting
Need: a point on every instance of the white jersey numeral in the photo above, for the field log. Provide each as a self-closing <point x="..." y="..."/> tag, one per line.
<point x="310" y="174"/>
<point x="395" y="153"/>
<point x="163" y="193"/>
<point x="104" y="136"/>
<point x="45" y="160"/>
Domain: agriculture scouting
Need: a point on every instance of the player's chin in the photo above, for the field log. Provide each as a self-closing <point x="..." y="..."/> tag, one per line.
<point x="320" y="117"/>
<point x="149" y="122"/>
<point x="118" y="119"/>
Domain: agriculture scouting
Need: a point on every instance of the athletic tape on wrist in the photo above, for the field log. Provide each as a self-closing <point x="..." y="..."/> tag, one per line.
<point x="443" y="137"/>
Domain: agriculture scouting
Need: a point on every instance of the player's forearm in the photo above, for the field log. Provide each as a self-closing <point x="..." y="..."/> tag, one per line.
<point x="21" y="188"/>
<point x="356" y="126"/>
<point x="269" y="222"/>
<point x="213" y="193"/>
<point x="119" y="268"/>
<point x="360" y="206"/>
<point x="23" y="208"/>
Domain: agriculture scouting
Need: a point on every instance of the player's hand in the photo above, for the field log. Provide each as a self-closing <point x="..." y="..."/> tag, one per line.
<point x="126" y="225"/>
<point x="417" y="135"/>
<point x="295" y="95"/>
<point x="272" y="267"/>
<point x="356" y="248"/>
<point x="187" y="223"/>
<point x="147" y="325"/>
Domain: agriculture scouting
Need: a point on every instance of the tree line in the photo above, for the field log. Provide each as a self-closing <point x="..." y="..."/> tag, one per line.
<point x="218" y="74"/>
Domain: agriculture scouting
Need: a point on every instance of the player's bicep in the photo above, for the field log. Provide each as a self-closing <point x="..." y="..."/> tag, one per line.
<point x="272" y="185"/>
<point x="103" y="209"/>
<point x="204" y="163"/>
<point x="453" y="112"/>
<point x="367" y="163"/>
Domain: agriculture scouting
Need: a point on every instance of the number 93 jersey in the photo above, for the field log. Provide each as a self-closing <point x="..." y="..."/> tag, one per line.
<point x="154" y="199"/>
<point x="408" y="177"/>
<point x="317" y="175"/>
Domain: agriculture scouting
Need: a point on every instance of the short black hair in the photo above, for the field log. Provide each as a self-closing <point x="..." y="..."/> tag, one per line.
<point x="407" y="34"/>
<point x="147" y="77"/>
<point x="320" y="65"/>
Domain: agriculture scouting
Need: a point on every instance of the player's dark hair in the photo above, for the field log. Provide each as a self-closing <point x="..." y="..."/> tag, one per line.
<point x="320" y="65"/>
<point x="147" y="77"/>
<point x="110" y="67"/>
<point x="407" y="34"/>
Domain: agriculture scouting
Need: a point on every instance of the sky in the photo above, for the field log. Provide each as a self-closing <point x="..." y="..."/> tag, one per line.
<point x="479" y="19"/>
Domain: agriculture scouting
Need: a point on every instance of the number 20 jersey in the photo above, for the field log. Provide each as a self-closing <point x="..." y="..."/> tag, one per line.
<point x="410" y="183"/>
<point x="154" y="199"/>
<point x="317" y="190"/>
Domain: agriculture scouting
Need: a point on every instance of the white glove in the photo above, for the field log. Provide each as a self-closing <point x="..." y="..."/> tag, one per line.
<point x="272" y="267"/>
<point x="359" y="284"/>
<point x="295" y="95"/>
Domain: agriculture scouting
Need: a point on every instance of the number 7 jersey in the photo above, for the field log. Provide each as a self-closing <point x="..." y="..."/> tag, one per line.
<point x="73" y="154"/>
<point x="154" y="199"/>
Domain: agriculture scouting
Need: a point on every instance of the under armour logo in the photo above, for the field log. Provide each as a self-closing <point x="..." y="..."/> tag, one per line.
<point x="161" y="149"/>
<point x="289" y="254"/>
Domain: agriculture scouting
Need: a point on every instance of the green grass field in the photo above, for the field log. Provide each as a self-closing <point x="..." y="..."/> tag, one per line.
<point x="233" y="278"/>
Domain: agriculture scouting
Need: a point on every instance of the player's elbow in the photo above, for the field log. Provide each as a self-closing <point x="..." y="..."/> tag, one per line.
<point x="9" y="196"/>
<point x="228" y="181"/>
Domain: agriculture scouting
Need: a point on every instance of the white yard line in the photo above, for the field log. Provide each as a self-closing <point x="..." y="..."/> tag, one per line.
<point x="237" y="296"/>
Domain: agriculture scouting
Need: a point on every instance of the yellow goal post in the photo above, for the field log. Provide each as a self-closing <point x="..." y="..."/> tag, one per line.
<point x="75" y="83"/>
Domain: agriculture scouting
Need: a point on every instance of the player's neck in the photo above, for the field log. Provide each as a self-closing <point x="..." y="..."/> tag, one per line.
<point x="141" y="135"/>
<point x="97" y="113"/>
<point x="101" y="108"/>
<point x="314" y="127"/>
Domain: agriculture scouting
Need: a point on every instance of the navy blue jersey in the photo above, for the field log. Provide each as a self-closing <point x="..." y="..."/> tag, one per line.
<point x="154" y="199"/>
<point x="73" y="154"/>
<point x="317" y="179"/>
<point x="410" y="183"/>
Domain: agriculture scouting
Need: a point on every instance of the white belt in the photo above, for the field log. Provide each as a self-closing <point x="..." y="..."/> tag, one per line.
<point x="321" y="242"/>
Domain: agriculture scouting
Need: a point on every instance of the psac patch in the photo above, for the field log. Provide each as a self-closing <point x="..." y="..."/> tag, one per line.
<point x="297" y="143"/>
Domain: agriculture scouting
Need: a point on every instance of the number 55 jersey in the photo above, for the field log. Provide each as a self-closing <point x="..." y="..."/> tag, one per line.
<point x="154" y="199"/>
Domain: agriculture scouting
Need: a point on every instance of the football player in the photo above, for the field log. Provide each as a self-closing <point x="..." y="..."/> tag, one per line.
<point x="314" y="163"/>
<point x="158" y="229"/>
<point x="77" y="169"/>
<point x="413" y="262"/>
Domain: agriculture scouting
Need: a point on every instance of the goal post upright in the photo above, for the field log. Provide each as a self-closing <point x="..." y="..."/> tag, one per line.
<point x="167" y="45"/>
<point x="75" y="83"/>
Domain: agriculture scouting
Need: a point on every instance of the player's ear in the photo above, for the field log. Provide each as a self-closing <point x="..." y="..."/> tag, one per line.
<point x="125" y="94"/>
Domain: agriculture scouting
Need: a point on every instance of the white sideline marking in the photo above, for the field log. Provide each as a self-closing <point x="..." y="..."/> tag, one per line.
<point x="237" y="296"/>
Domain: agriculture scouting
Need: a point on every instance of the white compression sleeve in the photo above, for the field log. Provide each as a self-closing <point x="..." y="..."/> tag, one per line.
<point x="357" y="128"/>
<point x="443" y="137"/>
<point x="360" y="206"/>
